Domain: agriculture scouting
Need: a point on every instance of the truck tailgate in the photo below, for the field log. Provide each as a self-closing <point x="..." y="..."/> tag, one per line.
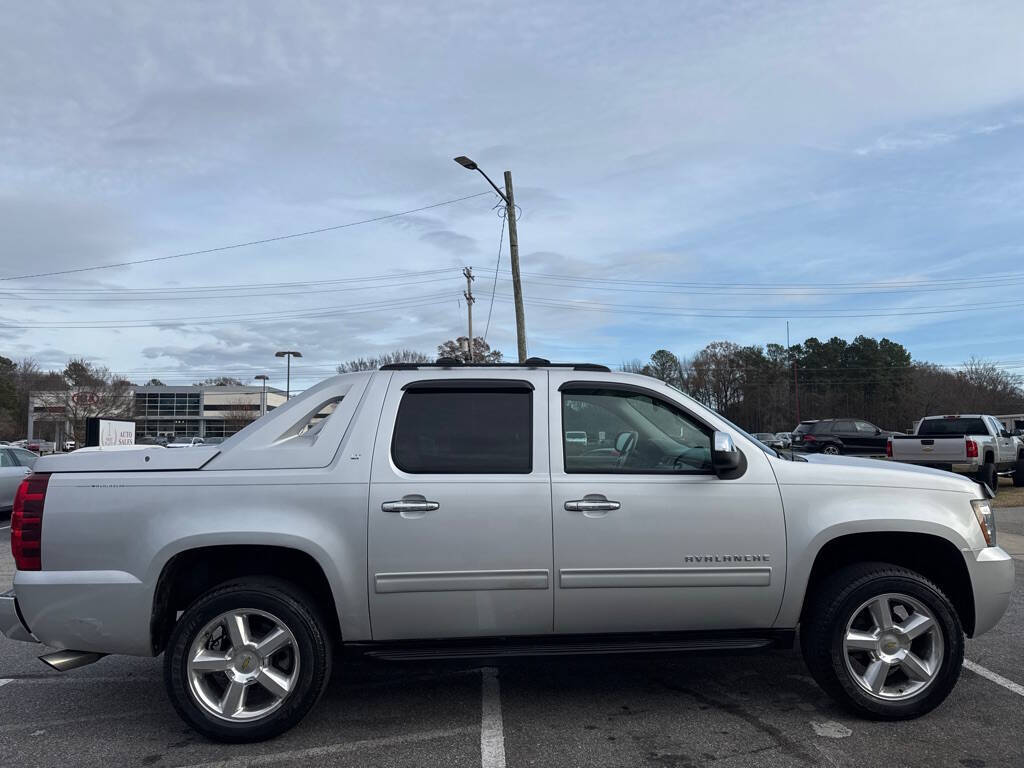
<point x="941" y="449"/>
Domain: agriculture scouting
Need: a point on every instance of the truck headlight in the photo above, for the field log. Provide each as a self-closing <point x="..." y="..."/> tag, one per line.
<point x="986" y="519"/>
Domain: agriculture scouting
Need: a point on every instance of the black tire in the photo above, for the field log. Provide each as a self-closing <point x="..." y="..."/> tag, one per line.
<point x="987" y="475"/>
<point x="831" y="608"/>
<point x="831" y="449"/>
<point x="1018" y="474"/>
<point x="283" y="601"/>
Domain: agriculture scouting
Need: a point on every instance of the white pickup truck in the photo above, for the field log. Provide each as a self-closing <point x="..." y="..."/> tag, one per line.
<point x="974" y="444"/>
<point x="448" y="511"/>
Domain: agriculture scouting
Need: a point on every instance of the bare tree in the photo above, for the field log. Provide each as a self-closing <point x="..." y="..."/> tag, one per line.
<point x="86" y="390"/>
<point x="388" y="358"/>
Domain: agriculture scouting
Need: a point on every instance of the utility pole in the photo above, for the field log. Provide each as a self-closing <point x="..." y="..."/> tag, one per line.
<point x="468" y="293"/>
<point x="796" y="382"/>
<point x="513" y="249"/>
<point x="513" y="246"/>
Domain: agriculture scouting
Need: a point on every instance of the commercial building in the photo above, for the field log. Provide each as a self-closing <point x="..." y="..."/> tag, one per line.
<point x="189" y="411"/>
<point x="199" y="411"/>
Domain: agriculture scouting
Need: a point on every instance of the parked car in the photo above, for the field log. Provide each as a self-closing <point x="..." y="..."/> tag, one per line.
<point x="845" y="436"/>
<point x="69" y="445"/>
<point x="768" y="438"/>
<point x="213" y="440"/>
<point x="785" y="439"/>
<point x="797" y="435"/>
<point x="180" y="441"/>
<point x="15" y="464"/>
<point x="975" y="444"/>
<point x="436" y="513"/>
<point x="41" y="447"/>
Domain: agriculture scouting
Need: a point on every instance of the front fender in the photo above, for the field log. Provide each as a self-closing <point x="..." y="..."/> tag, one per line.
<point x="817" y="514"/>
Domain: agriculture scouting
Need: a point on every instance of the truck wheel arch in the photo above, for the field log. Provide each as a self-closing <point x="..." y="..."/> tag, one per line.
<point x="192" y="572"/>
<point x="934" y="557"/>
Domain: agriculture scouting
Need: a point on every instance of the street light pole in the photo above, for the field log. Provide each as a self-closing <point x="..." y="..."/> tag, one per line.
<point x="290" y="353"/>
<point x="263" y="398"/>
<point x="513" y="245"/>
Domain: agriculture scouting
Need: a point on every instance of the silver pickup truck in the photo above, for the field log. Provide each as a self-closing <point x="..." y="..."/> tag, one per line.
<point x="974" y="444"/>
<point x="440" y="511"/>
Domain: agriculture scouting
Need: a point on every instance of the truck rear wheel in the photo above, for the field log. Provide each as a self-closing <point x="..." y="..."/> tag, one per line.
<point x="883" y="641"/>
<point x="987" y="475"/>
<point x="247" y="661"/>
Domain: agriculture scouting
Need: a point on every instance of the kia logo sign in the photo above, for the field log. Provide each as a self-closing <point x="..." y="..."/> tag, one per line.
<point x="85" y="398"/>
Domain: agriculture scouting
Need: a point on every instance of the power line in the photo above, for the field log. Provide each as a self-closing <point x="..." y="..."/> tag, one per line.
<point x="388" y="305"/>
<point x="246" y="244"/>
<point x="239" y="286"/>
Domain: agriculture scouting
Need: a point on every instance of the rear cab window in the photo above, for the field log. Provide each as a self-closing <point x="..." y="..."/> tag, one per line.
<point x="955" y="426"/>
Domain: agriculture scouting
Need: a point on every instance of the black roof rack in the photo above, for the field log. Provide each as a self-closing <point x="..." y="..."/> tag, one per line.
<point x="530" y="362"/>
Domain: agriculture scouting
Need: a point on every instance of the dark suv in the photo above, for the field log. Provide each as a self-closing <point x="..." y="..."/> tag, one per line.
<point x="835" y="436"/>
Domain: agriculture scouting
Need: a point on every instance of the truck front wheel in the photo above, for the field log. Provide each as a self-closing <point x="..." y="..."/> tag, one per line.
<point x="883" y="641"/>
<point x="247" y="661"/>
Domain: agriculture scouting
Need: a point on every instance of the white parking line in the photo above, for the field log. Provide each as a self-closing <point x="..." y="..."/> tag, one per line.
<point x="988" y="674"/>
<point x="5" y="682"/>
<point x="492" y="731"/>
<point x="4" y="527"/>
<point x="332" y="749"/>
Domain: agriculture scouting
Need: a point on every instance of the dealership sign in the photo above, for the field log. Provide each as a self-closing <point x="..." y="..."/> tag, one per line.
<point x="85" y="398"/>
<point x="107" y="433"/>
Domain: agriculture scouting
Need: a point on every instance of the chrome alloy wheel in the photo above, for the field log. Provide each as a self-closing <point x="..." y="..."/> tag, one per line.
<point x="243" y="665"/>
<point x="831" y="450"/>
<point x="893" y="647"/>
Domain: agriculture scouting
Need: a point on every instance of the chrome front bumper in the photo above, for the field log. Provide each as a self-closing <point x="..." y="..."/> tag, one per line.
<point x="11" y="624"/>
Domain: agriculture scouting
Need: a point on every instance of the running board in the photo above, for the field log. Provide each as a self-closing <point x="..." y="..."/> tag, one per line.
<point x="512" y="648"/>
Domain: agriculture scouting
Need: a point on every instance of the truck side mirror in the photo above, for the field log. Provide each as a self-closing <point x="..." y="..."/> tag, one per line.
<point x="725" y="456"/>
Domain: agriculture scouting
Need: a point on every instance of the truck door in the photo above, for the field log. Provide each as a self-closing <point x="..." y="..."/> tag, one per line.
<point x="1006" y="451"/>
<point x="646" y="536"/>
<point x="460" y="507"/>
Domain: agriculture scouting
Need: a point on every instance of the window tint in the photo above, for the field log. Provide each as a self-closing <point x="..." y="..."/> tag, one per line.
<point x="843" y="426"/>
<point x="863" y="426"/>
<point x="25" y="458"/>
<point x="964" y="426"/>
<point x="459" y="430"/>
<point x="822" y="427"/>
<point x="631" y="432"/>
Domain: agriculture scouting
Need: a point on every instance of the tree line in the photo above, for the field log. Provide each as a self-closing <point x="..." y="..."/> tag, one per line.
<point x="759" y="387"/>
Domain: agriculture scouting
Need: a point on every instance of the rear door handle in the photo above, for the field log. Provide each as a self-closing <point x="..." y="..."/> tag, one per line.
<point x="410" y="503"/>
<point x="592" y="502"/>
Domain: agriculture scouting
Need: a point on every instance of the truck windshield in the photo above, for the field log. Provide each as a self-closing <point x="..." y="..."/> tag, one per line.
<point x="965" y="426"/>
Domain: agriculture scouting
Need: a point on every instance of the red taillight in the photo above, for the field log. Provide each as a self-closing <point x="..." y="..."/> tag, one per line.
<point x="27" y="523"/>
<point x="888" y="448"/>
<point x="972" y="449"/>
<point x="809" y="438"/>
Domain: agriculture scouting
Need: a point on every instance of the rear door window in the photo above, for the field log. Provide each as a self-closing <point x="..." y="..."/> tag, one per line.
<point x="464" y="430"/>
<point x="843" y="426"/>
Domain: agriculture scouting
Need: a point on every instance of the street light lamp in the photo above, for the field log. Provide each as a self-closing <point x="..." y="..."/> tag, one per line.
<point x="513" y="248"/>
<point x="263" y="398"/>
<point x="289" y="353"/>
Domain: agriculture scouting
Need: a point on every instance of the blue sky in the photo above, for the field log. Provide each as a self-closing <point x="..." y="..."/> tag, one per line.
<point x="805" y="144"/>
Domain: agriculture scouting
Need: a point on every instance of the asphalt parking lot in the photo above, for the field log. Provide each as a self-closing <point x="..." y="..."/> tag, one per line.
<point x="695" y="710"/>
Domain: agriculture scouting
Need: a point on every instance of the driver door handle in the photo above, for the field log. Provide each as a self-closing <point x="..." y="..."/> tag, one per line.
<point x="592" y="502"/>
<point x="409" y="505"/>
